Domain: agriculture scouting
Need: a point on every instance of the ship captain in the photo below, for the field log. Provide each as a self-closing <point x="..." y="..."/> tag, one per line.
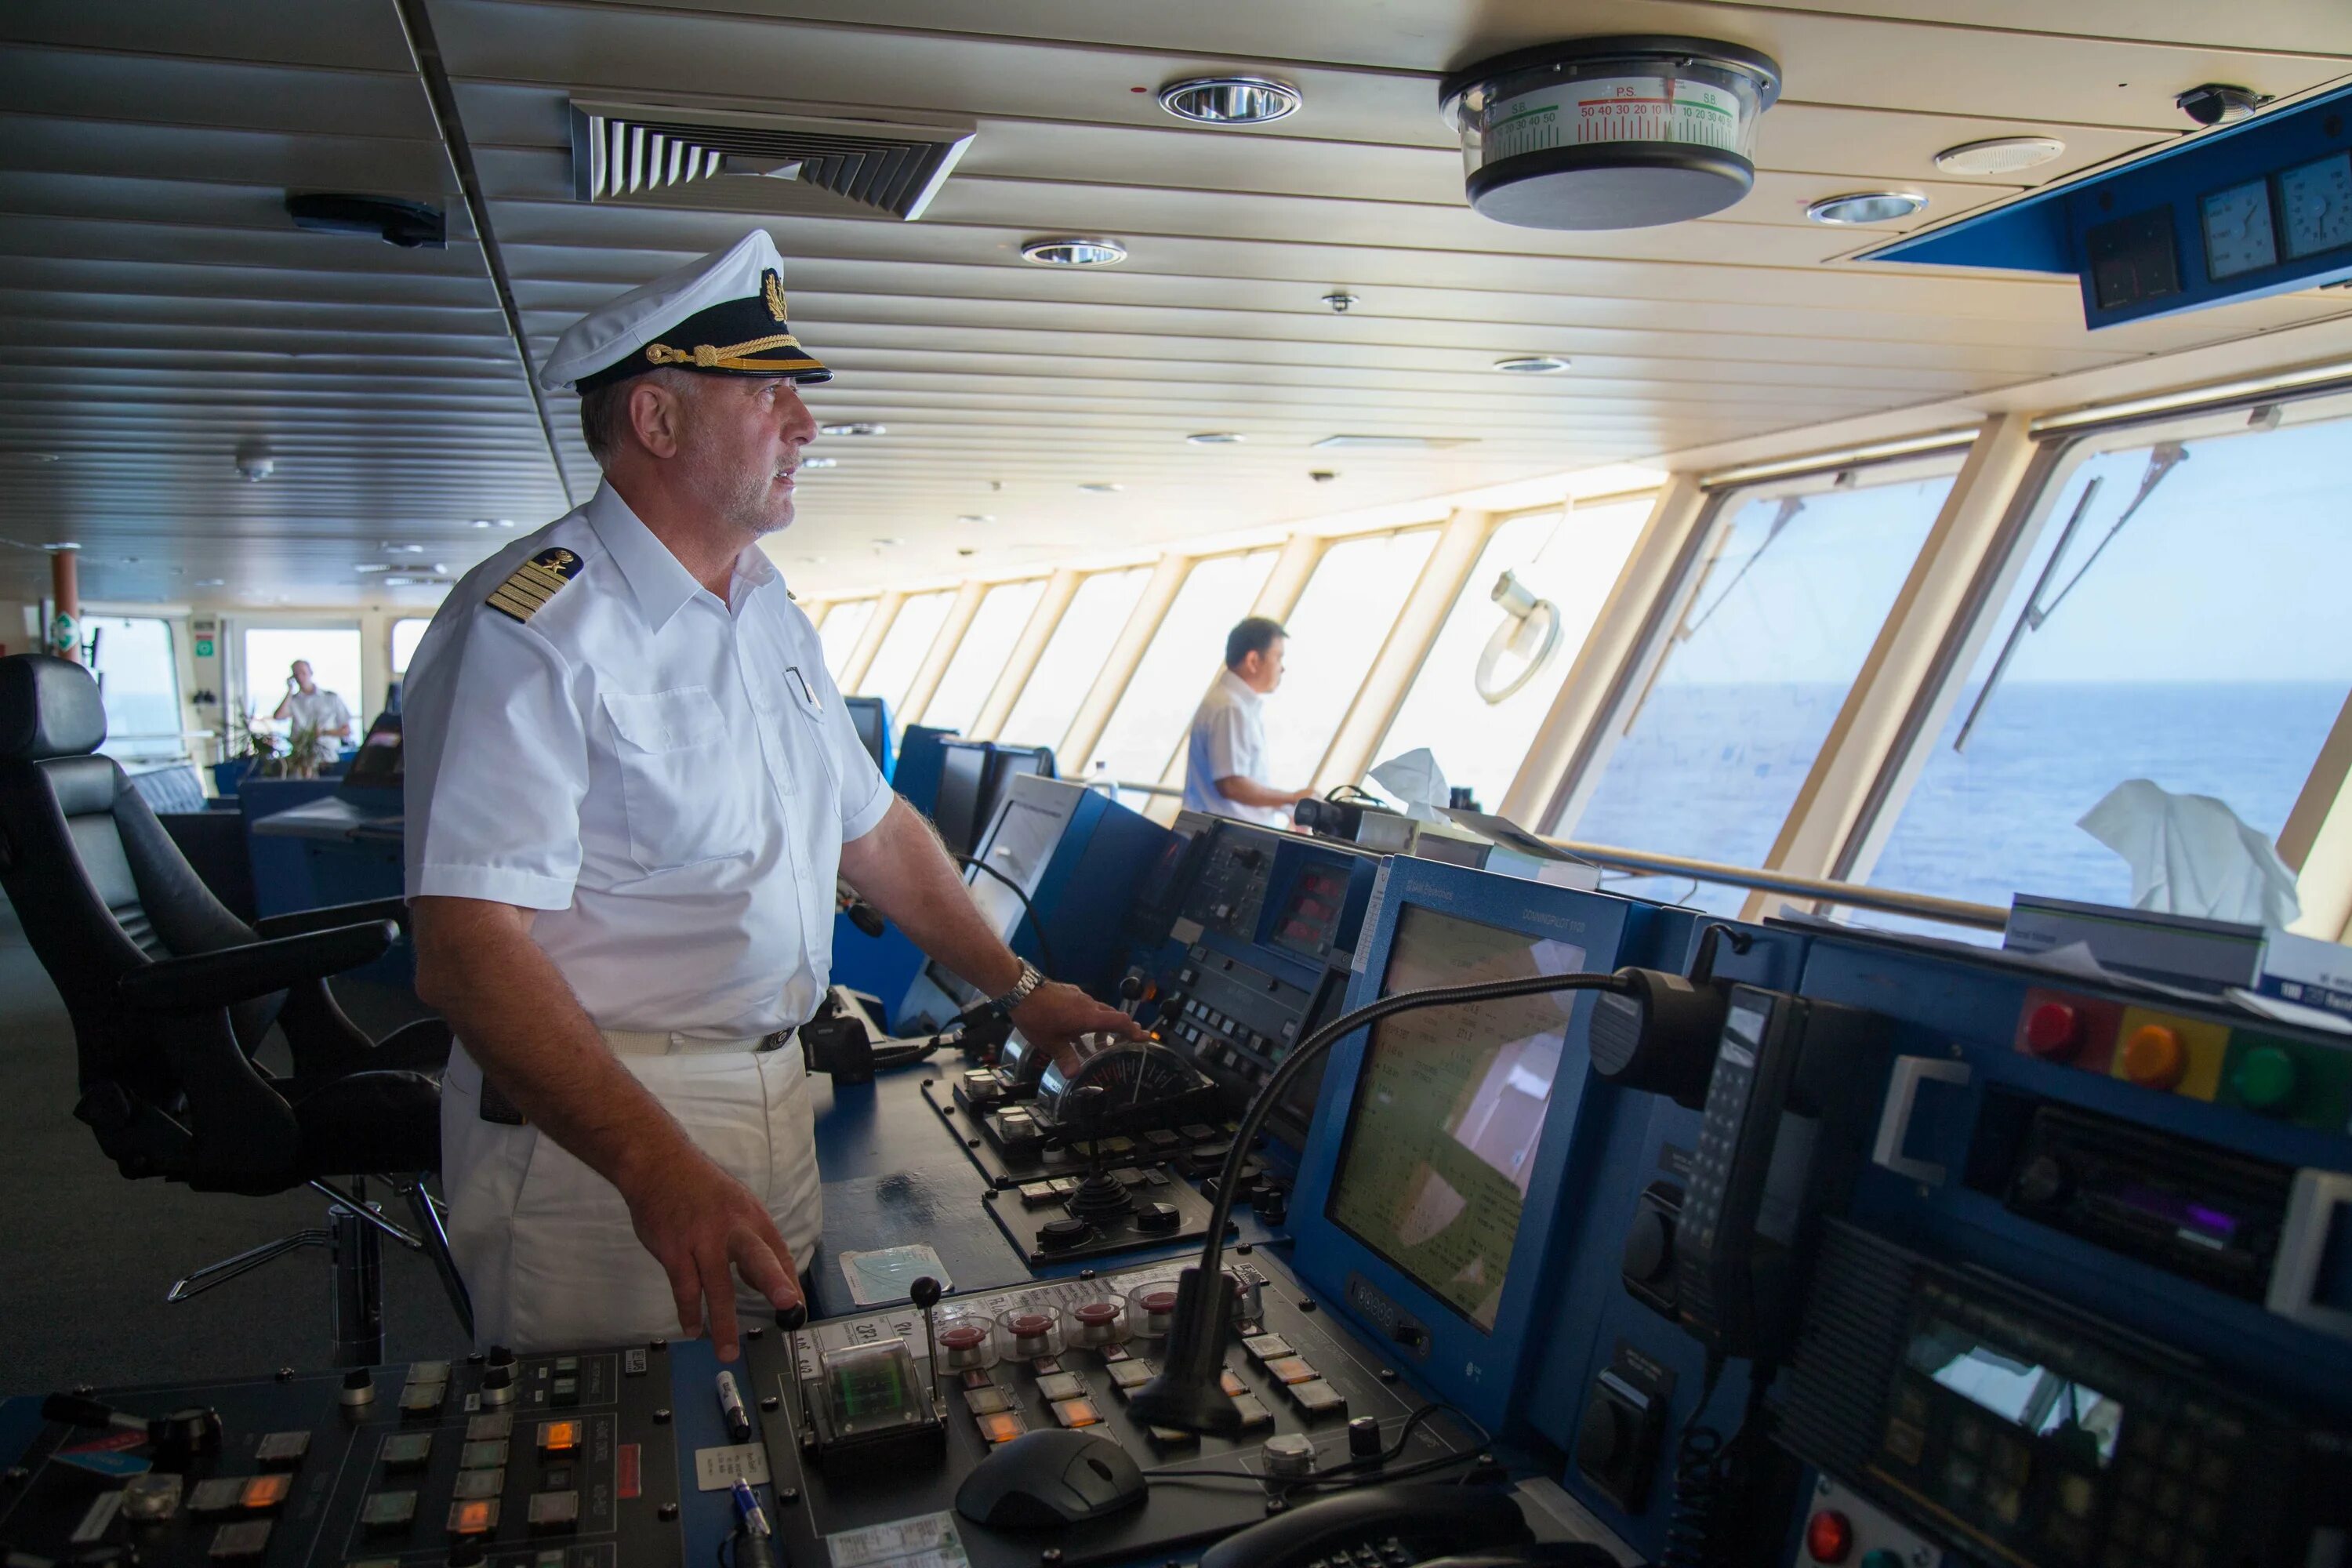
<point x="631" y="784"/>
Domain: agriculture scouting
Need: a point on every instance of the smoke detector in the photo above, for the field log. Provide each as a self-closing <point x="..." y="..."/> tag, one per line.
<point x="670" y="155"/>
<point x="1609" y="132"/>
<point x="254" y="461"/>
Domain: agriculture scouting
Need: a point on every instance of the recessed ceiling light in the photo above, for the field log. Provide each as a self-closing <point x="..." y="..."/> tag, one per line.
<point x="1865" y="207"/>
<point x="392" y="549"/>
<point x="1531" y="364"/>
<point x="1217" y="439"/>
<point x="2000" y="155"/>
<point x="1230" y="99"/>
<point x="1393" y="443"/>
<point x="506" y="522"/>
<point x="212" y="582"/>
<point x="1074" y="252"/>
<point x="398" y="582"/>
<point x="854" y="428"/>
<point x="372" y="566"/>
<point x="481" y="522"/>
<point x="1102" y="490"/>
<point x="67" y="545"/>
<point x="819" y="462"/>
<point x="976" y="517"/>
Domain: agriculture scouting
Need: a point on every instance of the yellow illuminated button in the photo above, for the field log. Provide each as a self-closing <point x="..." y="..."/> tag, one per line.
<point x="558" y="1436"/>
<point x="475" y="1516"/>
<point x="1292" y="1369"/>
<point x="2153" y="1056"/>
<point x="1001" y="1428"/>
<point x="1076" y="1413"/>
<point x="1234" y="1387"/>
<point x="263" y="1493"/>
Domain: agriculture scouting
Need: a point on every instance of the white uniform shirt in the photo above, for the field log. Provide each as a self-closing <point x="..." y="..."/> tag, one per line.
<point x="321" y="710"/>
<point x="666" y="778"/>
<point x="1228" y="740"/>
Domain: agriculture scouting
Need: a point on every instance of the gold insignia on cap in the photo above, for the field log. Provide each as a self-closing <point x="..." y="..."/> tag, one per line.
<point x="771" y="289"/>
<point x="531" y="586"/>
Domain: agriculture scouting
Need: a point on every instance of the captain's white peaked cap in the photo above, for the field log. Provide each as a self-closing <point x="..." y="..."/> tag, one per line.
<point x="724" y="313"/>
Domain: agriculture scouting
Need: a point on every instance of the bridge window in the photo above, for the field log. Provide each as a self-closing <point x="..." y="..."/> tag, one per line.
<point x="980" y="658"/>
<point x="1074" y="655"/>
<point x="1709" y="757"/>
<point x="139" y="683"/>
<point x="1174" y="674"/>
<point x="1569" y="558"/>
<point x="843" y="625"/>
<point x="406" y="633"/>
<point x="2178" y="615"/>
<point x="912" y="631"/>
<point x="1336" y="631"/>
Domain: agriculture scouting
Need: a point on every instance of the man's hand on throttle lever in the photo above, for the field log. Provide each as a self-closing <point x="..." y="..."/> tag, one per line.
<point x="698" y="1221"/>
<point x="1054" y="1016"/>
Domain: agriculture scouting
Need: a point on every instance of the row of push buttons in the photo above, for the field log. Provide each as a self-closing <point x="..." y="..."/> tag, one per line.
<point x="475" y="1496"/>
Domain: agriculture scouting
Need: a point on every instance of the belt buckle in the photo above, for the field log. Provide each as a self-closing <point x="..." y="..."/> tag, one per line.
<point x="775" y="1040"/>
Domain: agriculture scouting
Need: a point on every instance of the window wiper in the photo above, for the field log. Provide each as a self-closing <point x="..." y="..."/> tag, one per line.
<point x="2162" y="459"/>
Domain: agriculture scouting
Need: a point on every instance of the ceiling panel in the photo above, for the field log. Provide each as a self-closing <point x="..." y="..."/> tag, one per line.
<point x="157" y="308"/>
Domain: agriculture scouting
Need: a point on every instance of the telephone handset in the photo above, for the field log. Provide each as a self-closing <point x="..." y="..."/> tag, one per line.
<point x="1787" y="1069"/>
<point x="1398" y="1527"/>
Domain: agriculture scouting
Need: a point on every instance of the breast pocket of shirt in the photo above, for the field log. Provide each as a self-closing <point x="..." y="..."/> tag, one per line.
<point x="687" y="792"/>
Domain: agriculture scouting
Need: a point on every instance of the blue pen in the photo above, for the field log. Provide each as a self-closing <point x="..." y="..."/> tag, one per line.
<point x="751" y="1533"/>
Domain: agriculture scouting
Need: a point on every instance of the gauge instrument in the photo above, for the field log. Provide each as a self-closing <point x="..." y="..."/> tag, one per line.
<point x="2315" y="200"/>
<point x="2240" y="233"/>
<point x="1123" y="1086"/>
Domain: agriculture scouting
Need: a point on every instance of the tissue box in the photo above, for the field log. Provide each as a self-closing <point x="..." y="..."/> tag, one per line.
<point x="2306" y="971"/>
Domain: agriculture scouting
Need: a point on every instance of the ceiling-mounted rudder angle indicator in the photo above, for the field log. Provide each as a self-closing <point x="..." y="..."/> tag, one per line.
<point x="1609" y="132"/>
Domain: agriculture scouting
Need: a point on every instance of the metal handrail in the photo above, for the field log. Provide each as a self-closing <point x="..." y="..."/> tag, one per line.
<point x="1888" y="901"/>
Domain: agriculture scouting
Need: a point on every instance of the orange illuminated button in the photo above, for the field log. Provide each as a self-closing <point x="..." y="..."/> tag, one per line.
<point x="558" y="1436"/>
<point x="2053" y="1030"/>
<point x="1076" y="1413"/>
<point x="1828" y="1536"/>
<point x="1234" y="1387"/>
<point x="1290" y="1369"/>
<point x="474" y="1516"/>
<point x="263" y="1493"/>
<point x="2153" y="1056"/>
<point x="1003" y="1426"/>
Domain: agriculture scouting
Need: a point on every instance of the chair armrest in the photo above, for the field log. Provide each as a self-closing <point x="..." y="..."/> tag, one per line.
<point x="300" y="923"/>
<point x="206" y="979"/>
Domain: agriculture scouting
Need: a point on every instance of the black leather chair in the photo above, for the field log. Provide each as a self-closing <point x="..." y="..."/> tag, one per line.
<point x="171" y="995"/>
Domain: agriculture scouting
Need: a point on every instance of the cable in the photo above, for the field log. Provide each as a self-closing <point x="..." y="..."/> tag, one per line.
<point x="1270" y="1093"/>
<point x="1028" y="910"/>
<point x="1702" y="1481"/>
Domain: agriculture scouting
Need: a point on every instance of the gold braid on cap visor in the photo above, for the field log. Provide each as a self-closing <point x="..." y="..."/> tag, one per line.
<point x="734" y="356"/>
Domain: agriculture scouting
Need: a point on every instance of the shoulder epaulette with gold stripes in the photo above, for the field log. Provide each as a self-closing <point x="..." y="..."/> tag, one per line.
<point x="531" y="585"/>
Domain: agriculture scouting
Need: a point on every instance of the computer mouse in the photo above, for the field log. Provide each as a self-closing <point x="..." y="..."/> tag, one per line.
<point x="1044" y="1480"/>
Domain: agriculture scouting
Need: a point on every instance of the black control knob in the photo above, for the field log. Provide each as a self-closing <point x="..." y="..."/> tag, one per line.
<point x="924" y="1293"/>
<point x="359" y="1388"/>
<point x="468" y="1554"/>
<point x="793" y="1317"/>
<point x="1603" y="1437"/>
<point x="1130" y="987"/>
<point x="498" y="1385"/>
<point x="2044" y="1180"/>
<point x="1364" y="1438"/>
<point x="1060" y="1235"/>
<point x="501" y="1356"/>
<point x="1158" y="1219"/>
<point x="184" y="1434"/>
<point x="1648" y="1245"/>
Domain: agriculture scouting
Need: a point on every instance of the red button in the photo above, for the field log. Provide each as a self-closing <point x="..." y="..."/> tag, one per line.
<point x="2053" y="1030"/>
<point x="1829" y="1535"/>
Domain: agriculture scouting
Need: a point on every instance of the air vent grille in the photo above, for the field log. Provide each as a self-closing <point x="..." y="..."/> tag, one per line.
<point x="629" y="152"/>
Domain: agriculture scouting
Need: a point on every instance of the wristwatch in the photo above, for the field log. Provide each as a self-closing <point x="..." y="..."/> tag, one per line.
<point x="1030" y="980"/>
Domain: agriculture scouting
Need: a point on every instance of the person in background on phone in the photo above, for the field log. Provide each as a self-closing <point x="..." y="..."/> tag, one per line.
<point x="312" y="707"/>
<point x="1225" y="757"/>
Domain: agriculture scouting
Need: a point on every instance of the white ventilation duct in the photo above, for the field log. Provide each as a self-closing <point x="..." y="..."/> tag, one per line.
<point x="623" y="153"/>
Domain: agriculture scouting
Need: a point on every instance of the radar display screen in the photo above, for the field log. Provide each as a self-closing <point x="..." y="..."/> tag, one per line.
<point x="1441" y="1137"/>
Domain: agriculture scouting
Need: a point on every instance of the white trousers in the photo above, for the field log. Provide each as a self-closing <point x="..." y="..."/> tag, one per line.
<point x="545" y="1245"/>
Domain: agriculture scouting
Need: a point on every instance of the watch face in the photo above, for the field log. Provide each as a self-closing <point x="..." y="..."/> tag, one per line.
<point x="2318" y="202"/>
<point x="2239" y="235"/>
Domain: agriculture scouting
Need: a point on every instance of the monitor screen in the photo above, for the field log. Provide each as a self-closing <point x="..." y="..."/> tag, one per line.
<point x="865" y="712"/>
<point x="963" y="767"/>
<point x="1441" y="1137"/>
<point x="1019" y="846"/>
<point x="377" y="765"/>
<point x="1309" y="920"/>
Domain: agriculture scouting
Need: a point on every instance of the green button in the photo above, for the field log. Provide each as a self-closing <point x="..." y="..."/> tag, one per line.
<point x="1882" y="1557"/>
<point x="2266" y="1077"/>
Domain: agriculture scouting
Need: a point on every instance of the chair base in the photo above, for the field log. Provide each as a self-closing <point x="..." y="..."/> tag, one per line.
<point x="354" y="1235"/>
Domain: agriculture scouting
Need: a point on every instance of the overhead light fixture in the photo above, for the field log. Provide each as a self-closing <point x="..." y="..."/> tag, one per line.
<point x="1074" y="252"/>
<point x="66" y="544"/>
<point x="1230" y="99"/>
<point x="1102" y="488"/>
<point x="818" y="462"/>
<point x="1391" y="443"/>
<point x="854" y="428"/>
<point x="409" y="225"/>
<point x="1865" y="207"/>
<point x="1609" y="132"/>
<point x="390" y="548"/>
<point x="505" y="521"/>
<point x="2000" y="155"/>
<point x="2219" y="103"/>
<point x="1531" y="364"/>
<point x="1341" y="302"/>
<point x="367" y="566"/>
<point x="1215" y="438"/>
<point x="481" y="522"/>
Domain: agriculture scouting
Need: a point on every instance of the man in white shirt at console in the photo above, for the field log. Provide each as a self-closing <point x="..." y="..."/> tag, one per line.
<point x="1226" y="760"/>
<point x="631" y="787"/>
